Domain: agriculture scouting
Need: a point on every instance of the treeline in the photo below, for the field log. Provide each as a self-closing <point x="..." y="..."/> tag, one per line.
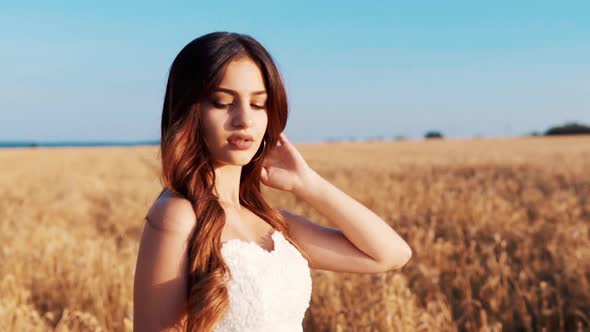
<point x="569" y="128"/>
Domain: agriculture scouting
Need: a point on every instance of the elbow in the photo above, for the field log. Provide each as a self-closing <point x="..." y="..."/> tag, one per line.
<point x="408" y="255"/>
<point x="398" y="260"/>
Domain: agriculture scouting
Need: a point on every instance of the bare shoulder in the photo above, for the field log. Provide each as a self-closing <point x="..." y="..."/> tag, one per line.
<point x="160" y="281"/>
<point x="171" y="213"/>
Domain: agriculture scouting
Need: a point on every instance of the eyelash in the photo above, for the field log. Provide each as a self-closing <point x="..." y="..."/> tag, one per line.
<point x="224" y="106"/>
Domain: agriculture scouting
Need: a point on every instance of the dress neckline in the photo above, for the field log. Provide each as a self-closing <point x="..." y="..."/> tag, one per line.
<point x="273" y="236"/>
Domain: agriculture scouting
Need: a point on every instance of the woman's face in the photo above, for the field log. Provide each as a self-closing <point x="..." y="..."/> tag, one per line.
<point x="236" y="106"/>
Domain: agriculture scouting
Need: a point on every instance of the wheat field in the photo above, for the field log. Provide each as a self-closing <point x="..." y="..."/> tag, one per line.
<point x="499" y="228"/>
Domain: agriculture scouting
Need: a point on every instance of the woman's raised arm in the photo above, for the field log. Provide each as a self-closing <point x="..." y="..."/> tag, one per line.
<point x="363" y="242"/>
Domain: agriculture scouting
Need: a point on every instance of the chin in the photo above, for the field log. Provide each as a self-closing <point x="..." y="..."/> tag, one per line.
<point x="236" y="160"/>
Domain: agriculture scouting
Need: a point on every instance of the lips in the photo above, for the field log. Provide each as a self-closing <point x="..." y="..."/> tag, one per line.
<point x="239" y="137"/>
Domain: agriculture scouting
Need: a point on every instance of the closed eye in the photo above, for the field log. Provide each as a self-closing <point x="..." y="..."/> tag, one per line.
<point x="219" y="105"/>
<point x="224" y="106"/>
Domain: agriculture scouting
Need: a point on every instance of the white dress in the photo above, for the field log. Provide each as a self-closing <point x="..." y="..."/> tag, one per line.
<point x="269" y="290"/>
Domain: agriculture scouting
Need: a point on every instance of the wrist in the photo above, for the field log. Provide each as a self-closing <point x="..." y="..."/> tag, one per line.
<point x="308" y="184"/>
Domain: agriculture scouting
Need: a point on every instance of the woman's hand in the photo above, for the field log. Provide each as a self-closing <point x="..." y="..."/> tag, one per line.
<point x="284" y="168"/>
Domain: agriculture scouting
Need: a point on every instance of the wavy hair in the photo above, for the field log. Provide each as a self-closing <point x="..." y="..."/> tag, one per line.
<point x="187" y="168"/>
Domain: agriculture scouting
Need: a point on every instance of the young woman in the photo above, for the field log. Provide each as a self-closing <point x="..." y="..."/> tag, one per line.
<point x="214" y="255"/>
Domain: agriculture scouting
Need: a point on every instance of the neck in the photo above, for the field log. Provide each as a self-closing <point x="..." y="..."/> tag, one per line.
<point x="227" y="184"/>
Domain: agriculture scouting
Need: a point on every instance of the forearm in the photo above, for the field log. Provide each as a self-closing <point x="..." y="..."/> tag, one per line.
<point x="365" y="229"/>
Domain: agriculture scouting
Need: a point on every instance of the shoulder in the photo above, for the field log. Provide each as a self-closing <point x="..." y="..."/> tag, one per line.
<point x="172" y="213"/>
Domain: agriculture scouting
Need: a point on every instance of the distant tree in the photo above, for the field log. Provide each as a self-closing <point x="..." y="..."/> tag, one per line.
<point x="570" y="128"/>
<point x="433" y="134"/>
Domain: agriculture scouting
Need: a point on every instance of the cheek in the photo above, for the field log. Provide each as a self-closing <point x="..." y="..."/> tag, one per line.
<point x="263" y="120"/>
<point x="214" y="121"/>
<point x="212" y="128"/>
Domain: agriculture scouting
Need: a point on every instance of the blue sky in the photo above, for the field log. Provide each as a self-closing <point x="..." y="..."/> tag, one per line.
<point x="86" y="72"/>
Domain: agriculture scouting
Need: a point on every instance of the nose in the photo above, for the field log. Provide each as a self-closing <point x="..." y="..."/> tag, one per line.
<point x="241" y="117"/>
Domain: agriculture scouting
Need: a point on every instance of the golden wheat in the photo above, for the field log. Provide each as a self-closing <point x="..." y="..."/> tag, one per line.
<point x="500" y="232"/>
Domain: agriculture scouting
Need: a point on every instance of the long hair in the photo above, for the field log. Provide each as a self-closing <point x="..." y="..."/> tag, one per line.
<point x="187" y="168"/>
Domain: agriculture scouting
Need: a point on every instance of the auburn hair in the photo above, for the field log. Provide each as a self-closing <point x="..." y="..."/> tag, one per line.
<point x="187" y="169"/>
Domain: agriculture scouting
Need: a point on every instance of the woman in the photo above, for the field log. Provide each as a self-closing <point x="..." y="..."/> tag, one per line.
<point x="214" y="255"/>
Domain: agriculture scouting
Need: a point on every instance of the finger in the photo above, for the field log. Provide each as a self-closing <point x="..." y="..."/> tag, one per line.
<point x="284" y="140"/>
<point x="265" y="162"/>
<point x="263" y="174"/>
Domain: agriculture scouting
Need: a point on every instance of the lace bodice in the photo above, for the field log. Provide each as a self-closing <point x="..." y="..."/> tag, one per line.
<point x="269" y="290"/>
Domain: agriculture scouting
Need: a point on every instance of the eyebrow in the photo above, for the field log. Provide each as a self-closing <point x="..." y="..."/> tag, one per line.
<point x="233" y="92"/>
